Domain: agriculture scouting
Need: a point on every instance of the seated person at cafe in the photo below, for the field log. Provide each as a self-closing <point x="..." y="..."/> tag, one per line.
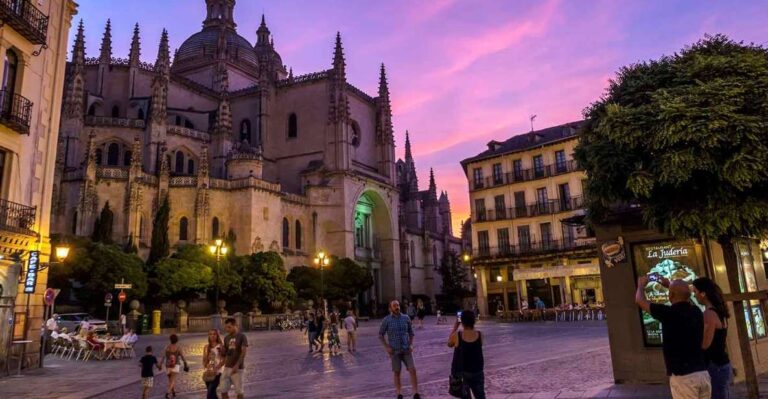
<point x="129" y="337"/>
<point x="97" y="346"/>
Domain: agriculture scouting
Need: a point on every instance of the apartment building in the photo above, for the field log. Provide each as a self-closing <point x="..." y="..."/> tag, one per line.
<point x="33" y="43"/>
<point x="528" y="236"/>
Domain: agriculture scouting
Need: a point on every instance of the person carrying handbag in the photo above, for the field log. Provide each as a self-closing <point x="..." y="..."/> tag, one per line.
<point x="467" y="366"/>
<point x="213" y="362"/>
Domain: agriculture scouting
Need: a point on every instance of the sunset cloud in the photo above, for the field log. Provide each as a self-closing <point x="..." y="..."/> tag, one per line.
<point x="461" y="73"/>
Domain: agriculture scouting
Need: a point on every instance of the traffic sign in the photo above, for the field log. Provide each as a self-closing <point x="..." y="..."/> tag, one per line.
<point x="50" y="295"/>
<point x="107" y="304"/>
<point x="108" y="297"/>
<point x="121" y="296"/>
<point x="120" y="286"/>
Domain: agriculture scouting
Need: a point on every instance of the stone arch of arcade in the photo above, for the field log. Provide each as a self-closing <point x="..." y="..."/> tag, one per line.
<point x="375" y="244"/>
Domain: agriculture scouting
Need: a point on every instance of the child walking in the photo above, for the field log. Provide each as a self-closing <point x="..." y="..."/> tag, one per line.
<point x="147" y="374"/>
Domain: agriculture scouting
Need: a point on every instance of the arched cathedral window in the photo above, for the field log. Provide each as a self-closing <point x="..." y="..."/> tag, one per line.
<point x="355" y="134"/>
<point x="286" y="233"/>
<point x="115" y="111"/>
<point x="179" y="166"/>
<point x="191" y="166"/>
<point x="113" y="154"/>
<point x="183" y="229"/>
<point x="293" y="126"/>
<point x="245" y="131"/>
<point x="141" y="114"/>
<point x="298" y="234"/>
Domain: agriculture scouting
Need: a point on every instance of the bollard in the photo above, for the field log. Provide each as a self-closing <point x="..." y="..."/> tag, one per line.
<point x="156" y="322"/>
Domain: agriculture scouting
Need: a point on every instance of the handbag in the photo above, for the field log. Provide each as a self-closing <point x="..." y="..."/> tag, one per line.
<point x="456" y="386"/>
<point x="210" y="373"/>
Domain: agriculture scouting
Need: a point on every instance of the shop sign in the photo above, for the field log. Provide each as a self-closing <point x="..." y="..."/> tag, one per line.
<point x="613" y="252"/>
<point x="30" y="281"/>
<point x="674" y="260"/>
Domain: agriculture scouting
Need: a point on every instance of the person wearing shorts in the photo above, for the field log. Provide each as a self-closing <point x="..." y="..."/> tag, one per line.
<point x="396" y="334"/>
<point x="147" y="374"/>
<point x="235" y="346"/>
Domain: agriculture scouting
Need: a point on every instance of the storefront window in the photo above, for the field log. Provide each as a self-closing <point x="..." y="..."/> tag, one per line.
<point x="748" y="283"/>
<point x="670" y="259"/>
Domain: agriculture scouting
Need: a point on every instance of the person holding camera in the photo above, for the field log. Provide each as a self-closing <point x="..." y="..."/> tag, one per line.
<point x="682" y="326"/>
<point x="468" y="362"/>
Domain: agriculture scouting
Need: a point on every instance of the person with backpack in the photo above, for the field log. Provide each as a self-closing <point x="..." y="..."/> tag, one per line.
<point x="467" y="378"/>
<point x="172" y="358"/>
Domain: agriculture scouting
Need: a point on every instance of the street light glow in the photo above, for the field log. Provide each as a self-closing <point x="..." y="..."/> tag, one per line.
<point x="466" y="257"/>
<point x="62" y="252"/>
<point x="498" y="278"/>
<point x="212" y="248"/>
<point x="321" y="255"/>
<point x="317" y="261"/>
<point x="224" y="250"/>
<point x="326" y="261"/>
<point x="218" y="242"/>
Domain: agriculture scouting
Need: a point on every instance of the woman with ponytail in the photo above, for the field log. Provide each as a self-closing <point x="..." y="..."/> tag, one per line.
<point x="715" y="330"/>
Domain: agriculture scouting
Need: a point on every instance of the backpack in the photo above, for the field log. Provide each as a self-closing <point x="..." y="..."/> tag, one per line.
<point x="170" y="360"/>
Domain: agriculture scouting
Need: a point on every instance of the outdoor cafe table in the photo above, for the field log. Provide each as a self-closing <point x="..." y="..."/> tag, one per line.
<point x="109" y="346"/>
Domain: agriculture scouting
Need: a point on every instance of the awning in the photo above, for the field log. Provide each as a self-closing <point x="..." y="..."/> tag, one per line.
<point x="575" y="220"/>
<point x="555" y="271"/>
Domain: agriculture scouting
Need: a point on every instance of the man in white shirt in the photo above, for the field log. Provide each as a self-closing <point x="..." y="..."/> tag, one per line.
<point x="52" y="325"/>
<point x="350" y="324"/>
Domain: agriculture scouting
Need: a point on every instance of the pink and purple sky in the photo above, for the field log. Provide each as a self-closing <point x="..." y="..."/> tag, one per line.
<point x="461" y="73"/>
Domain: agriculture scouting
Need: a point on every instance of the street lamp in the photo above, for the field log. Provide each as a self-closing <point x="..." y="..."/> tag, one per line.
<point x="498" y="278"/>
<point x="322" y="260"/>
<point x="218" y="249"/>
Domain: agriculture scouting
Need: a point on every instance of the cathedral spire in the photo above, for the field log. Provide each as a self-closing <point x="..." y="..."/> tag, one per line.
<point x="385" y="133"/>
<point x="408" y="155"/>
<point x="432" y="186"/>
<point x="339" y="64"/>
<point x="105" y="57"/>
<point x="262" y="33"/>
<point x="135" y="54"/>
<point x="383" y="85"/>
<point x="163" y="62"/>
<point x="160" y="81"/>
<point x="78" y="50"/>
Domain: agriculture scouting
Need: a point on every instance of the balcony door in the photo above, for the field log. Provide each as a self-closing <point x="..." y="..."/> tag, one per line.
<point x="564" y="194"/>
<point x="546" y="235"/>
<point x="502" y="236"/>
<point x="500" y="207"/>
<point x="10" y="72"/>
<point x="524" y="237"/>
<point x="542" y="200"/>
<point x="520" y="210"/>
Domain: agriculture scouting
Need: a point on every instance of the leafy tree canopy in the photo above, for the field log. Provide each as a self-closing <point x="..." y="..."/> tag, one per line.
<point x="182" y="279"/>
<point x="685" y="137"/>
<point x="342" y="279"/>
<point x="454" y="276"/>
<point x="92" y="269"/>
<point x="263" y="279"/>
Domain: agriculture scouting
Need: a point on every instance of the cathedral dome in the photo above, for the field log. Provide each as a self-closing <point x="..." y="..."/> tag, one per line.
<point x="204" y="45"/>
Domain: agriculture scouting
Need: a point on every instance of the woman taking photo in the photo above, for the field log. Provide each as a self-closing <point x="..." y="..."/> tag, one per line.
<point x="468" y="360"/>
<point x="171" y="356"/>
<point x="715" y="331"/>
<point x="213" y="361"/>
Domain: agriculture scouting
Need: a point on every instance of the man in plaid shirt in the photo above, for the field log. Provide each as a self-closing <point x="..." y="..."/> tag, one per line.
<point x="399" y="345"/>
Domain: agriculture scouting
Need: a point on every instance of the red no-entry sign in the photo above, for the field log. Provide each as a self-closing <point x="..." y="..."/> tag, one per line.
<point x="121" y="296"/>
<point x="50" y="295"/>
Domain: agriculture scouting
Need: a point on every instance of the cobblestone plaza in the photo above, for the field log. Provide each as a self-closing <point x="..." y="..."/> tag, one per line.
<point x="521" y="359"/>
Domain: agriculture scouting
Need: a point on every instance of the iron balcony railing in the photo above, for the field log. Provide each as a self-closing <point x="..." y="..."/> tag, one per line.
<point x="535" y="209"/>
<point x="15" y="111"/>
<point x="26" y="19"/>
<point x="17" y="218"/>
<point x="532" y="248"/>
<point x="522" y="175"/>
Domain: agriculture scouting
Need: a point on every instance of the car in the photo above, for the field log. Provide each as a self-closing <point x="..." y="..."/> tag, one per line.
<point x="72" y="322"/>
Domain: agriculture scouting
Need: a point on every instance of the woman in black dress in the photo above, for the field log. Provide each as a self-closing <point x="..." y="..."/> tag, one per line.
<point x="468" y="360"/>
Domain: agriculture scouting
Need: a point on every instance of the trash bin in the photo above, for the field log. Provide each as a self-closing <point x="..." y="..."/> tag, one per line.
<point x="143" y="325"/>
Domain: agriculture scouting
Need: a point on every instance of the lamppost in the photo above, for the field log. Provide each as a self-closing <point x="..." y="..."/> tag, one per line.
<point x="61" y="254"/>
<point x="218" y="249"/>
<point x="322" y="260"/>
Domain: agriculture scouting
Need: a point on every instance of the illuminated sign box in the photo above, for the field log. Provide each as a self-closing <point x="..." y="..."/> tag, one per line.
<point x="30" y="280"/>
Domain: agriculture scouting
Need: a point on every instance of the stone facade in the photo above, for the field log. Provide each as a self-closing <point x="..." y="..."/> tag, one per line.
<point x="33" y="42"/>
<point x="527" y="233"/>
<point x="426" y="233"/>
<point x="236" y="142"/>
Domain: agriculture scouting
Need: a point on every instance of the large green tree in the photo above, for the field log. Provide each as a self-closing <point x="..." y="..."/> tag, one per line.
<point x="92" y="269"/>
<point x="341" y="279"/>
<point x="263" y="279"/>
<point x="685" y="138"/>
<point x="454" y="278"/>
<point x="161" y="246"/>
<point x="181" y="279"/>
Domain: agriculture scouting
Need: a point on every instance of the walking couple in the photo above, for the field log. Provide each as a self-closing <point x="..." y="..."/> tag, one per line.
<point x="694" y="343"/>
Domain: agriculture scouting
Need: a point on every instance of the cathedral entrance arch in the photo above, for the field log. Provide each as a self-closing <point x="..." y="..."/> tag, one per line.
<point x="374" y="244"/>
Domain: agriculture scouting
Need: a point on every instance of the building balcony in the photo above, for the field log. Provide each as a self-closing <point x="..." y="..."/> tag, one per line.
<point x="114" y="122"/>
<point x="543" y="247"/>
<point x="550" y="207"/>
<point x="17" y="218"/>
<point x="15" y="111"/>
<point x="524" y="175"/>
<point x="26" y="19"/>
